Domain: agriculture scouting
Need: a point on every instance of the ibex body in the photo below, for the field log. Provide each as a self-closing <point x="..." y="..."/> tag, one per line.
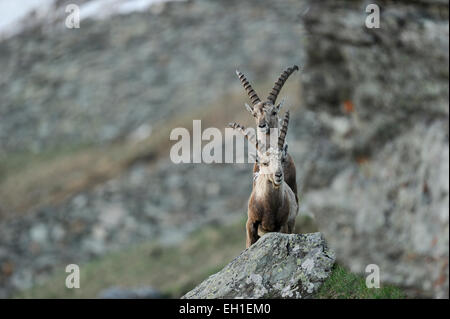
<point x="272" y="206"/>
<point x="266" y="117"/>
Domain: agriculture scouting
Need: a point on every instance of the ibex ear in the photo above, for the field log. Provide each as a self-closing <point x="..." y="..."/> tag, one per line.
<point x="249" y="108"/>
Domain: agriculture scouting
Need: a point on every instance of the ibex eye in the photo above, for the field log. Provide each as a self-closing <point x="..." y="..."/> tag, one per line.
<point x="274" y="113"/>
<point x="265" y="164"/>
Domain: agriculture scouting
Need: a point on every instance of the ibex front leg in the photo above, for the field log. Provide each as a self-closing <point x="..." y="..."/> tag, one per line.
<point x="252" y="232"/>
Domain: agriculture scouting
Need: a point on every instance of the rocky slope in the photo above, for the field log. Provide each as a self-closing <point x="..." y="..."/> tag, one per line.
<point x="384" y="98"/>
<point x="370" y="144"/>
<point x="164" y="204"/>
<point x="115" y="78"/>
<point x="96" y="84"/>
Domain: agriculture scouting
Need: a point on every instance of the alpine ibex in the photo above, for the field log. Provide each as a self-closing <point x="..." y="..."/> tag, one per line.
<point x="272" y="206"/>
<point x="266" y="116"/>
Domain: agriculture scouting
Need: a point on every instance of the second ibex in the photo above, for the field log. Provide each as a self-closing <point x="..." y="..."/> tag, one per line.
<point x="266" y="116"/>
<point x="272" y="206"/>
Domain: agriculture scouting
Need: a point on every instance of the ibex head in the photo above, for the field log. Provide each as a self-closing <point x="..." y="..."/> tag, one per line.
<point x="271" y="159"/>
<point x="265" y="112"/>
<point x="270" y="166"/>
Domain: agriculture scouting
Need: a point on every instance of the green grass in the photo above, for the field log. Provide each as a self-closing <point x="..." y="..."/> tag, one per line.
<point x="174" y="270"/>
<point x="343" y="284"/>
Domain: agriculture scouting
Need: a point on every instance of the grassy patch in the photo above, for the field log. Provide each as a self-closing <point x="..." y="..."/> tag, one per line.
<point x="343" y="284"/>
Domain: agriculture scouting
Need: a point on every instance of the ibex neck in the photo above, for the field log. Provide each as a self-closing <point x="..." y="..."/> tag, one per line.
<point x="264" y="188"/>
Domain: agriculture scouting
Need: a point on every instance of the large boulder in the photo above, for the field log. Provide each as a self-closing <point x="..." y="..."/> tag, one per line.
<point x="380" y="98"/>
<point x="276" y="266"/>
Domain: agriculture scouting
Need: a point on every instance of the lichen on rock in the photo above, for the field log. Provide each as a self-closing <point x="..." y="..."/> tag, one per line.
<point x="276" y="266"/>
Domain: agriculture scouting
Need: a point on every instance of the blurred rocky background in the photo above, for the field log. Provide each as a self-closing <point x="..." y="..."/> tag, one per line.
<point x="86" y="114"/>
<point x="389" y="205"/>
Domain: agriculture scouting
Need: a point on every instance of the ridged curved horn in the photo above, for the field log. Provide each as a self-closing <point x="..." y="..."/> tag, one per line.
<point x="279" y="84"/>
<point x="250" y="137"/>
<point x="251" y="93"/>
<point x="283" y="131"/>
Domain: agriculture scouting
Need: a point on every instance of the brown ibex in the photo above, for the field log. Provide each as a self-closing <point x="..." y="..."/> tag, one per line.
<point x="272" y="206"/>
<point x="266" y="116"/>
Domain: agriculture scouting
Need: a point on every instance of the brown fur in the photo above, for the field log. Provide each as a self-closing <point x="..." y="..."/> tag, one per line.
<point x="270" y="210"/>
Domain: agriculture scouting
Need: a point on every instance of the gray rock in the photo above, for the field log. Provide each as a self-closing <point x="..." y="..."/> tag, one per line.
<point x="39" y="233"/>
<point x="394" y="212"/>
<point x="276" y="266"/>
